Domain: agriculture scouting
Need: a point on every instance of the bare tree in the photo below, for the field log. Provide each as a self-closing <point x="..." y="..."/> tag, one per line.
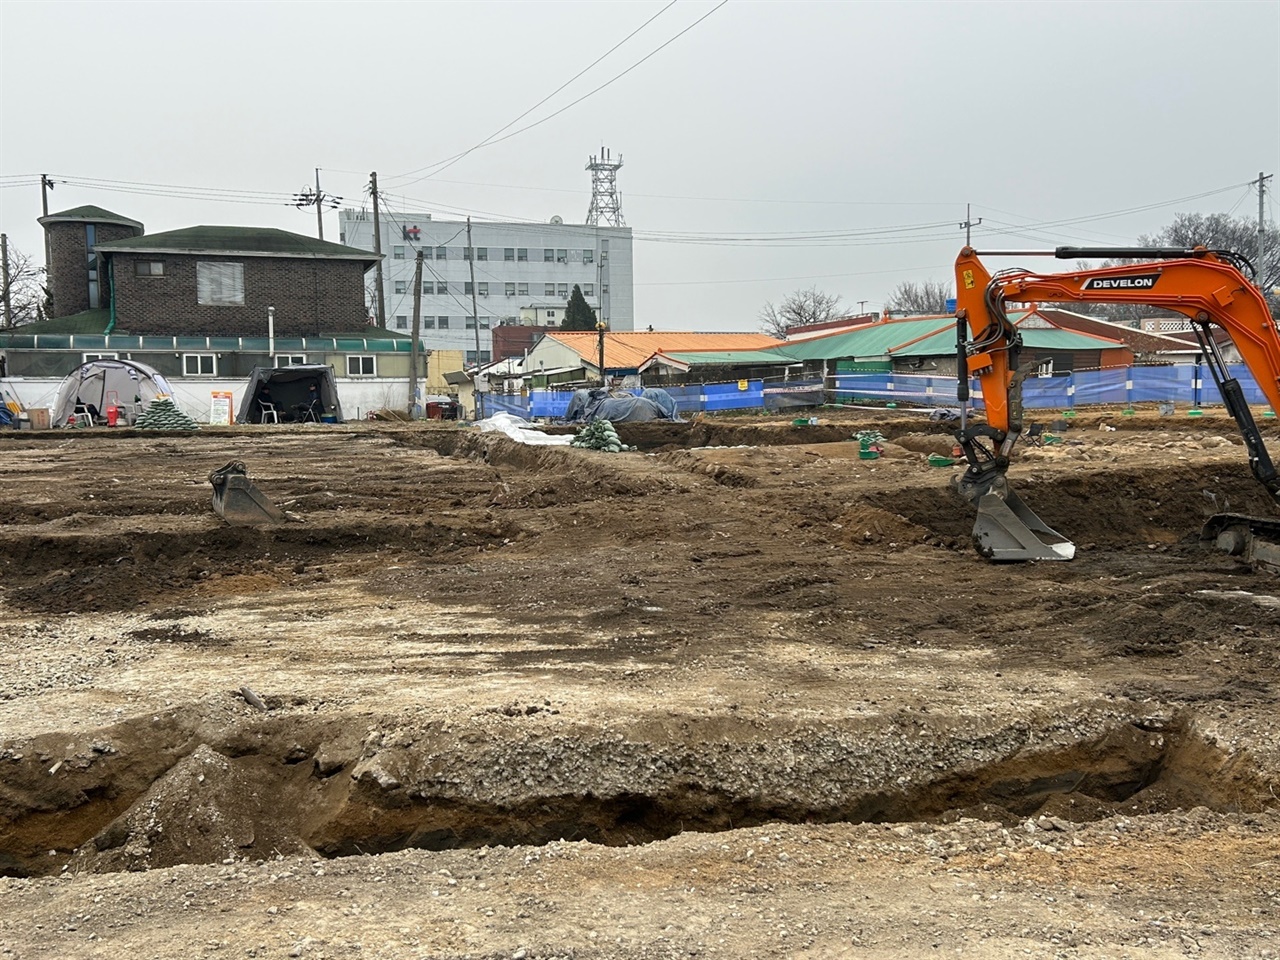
<point x="799" y="308"/>
<point x="25" y="289"/>
<point x="929" y="297"/>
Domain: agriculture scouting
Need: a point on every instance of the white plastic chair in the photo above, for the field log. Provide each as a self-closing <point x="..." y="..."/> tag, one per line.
<point x="269" y="410"/>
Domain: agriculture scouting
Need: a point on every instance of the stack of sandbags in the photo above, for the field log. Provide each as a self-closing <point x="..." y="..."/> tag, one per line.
<point x="600" y="435"/>
<point x="163" y="414"/>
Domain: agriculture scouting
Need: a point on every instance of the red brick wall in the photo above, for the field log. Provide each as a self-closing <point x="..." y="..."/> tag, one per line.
<point x="310" y="296"/>
<point x="513" y="340"/>
<point x="69" y="264"/>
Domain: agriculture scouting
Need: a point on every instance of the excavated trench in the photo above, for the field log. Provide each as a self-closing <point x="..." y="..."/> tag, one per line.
<point x="155" y="793"/>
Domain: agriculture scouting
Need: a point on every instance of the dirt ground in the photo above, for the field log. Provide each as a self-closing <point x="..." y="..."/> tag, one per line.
<point x="740" y="693"/>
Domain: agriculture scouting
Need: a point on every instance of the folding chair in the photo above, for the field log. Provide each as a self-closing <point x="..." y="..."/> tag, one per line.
<point x="1034" y="435"/>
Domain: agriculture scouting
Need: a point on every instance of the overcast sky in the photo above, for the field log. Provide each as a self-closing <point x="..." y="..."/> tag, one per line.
<point x="763" y="119"/>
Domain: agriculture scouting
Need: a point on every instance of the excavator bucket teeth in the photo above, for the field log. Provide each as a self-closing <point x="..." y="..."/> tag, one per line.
<point x="238" y="501"/>
<point x="1008" y="531"/>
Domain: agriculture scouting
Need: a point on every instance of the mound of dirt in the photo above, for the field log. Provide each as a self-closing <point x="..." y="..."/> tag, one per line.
<point x="204" y="810"/>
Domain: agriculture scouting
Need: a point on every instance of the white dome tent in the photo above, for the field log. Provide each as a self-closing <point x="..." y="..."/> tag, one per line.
<point x="101" y="383"/>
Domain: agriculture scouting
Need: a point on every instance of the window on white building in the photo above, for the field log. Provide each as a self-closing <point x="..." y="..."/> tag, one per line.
<point x="522" y="254"/>
<point x="548" y="289"/>
<point x="482" y="253"/>
<point x="397" y="253"/>
<point x="442" y="323"/>
<point x="562" y="256"/>
<point x="442" y="288"/>
<point x="484" y="323"/>
<point x="199" y="364"/>
<point x="470" y="323"/>
<point x="442" y="253"/>
<point x="509" y="289"/>
<point x="588" y="256"/>
<point x="548" y="255"/>
<point x="467" y="287"/>
<point x="551" y="314"/>
<point x="523" y="289"/>
<point x="588" y="289"/>
<point x="290" y="359"/>
<point x="361" y="365"/>
<point x="509" y="254"/>
<point x="482" y="288"/>
<point x="427" y="288"/>
<point x="562" y="291"/>
<point x="402" y="322"/>
<point x="219" y="284"/>
<point x="428" y="323"/>
<point x="466" y="253"/>
<point x="400" y="286"/>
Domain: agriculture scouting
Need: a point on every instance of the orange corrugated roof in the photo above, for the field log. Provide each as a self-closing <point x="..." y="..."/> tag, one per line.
<point x="627" y="350"/>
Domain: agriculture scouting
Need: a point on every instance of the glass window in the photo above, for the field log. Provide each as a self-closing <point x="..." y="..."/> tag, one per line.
<point x="442" y="323"/>
<point x="588" y="289"/>
<point x="466" y="253"/>
<point x="470" y="358"/>
<point x="470" y="323"/>
<point x="397" y="253"/>
<point x="548" y="255"/>
<point x="427" y="287"/>
<point x="509" y="289"/>
<point x="442" y="288"/>
<point x="508" y="253"/>
<point x="523" y="289"/>
<point x="484" y="323"/>
<point x="442" y="253"/>
<point x="562" y="256"/>
<point x="482" y="253"/>
<point x="467" y="287"/>
<point x="484" y="356"/>
<point x="402" y="322"/>
<point x="219" y="284"/>
<point x="428" y="323"/>
<point x="148" y="268"/>
<point x="361" y="365"/>
<point x="551" y="314"/>
<point x="291" y="360"/>
<point x="522" y="254"/>
<point x="562" y="291"/>
<point x="399" y="286"/>
<point x="199" y="364"/>
<point x="588" y="256"/>
<point x="482" y="288"/>
<point x="548" y="289"/>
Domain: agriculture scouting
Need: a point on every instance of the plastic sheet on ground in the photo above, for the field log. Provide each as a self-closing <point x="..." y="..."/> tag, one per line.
<point x="521" y="431"/>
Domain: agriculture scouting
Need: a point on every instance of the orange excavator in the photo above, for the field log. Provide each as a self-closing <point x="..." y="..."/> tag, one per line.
<point x="1209" y="287"/>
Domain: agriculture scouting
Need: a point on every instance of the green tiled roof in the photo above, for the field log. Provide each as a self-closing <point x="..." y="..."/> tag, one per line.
<point x="868" y="340"/>
<point x="245" y="241"/>
<point x="87" y="321"/>
<point x="90" y="214"/>
<point x="944" y="342"/>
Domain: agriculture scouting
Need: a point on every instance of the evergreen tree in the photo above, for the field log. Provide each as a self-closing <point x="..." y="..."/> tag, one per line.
<point x="578" y="315"/>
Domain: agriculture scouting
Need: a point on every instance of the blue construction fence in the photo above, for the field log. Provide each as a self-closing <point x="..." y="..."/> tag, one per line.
<point x="694" y="398"/>
<point x="1186" y="383"/>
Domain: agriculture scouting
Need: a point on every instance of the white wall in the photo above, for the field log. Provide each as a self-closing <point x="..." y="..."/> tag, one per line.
<point x="357" y="397"/>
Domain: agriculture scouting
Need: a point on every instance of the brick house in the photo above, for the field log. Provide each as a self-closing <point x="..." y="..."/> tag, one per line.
<point x="74" y="277"/>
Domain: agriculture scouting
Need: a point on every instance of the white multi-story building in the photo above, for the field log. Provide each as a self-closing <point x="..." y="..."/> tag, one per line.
<point x="524" y="269"/>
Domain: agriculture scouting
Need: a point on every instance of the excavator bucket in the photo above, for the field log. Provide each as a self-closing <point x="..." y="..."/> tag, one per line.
<point x="237" y="501"/>
<point x="1008" y="531"/>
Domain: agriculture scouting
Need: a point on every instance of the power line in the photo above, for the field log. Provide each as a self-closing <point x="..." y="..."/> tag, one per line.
<point x="514" y="133"/>
<point x="486" y="140"/>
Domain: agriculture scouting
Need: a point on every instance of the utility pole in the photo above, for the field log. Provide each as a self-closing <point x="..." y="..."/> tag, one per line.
<point x="45" y="186"/>
<point x="968" y="225"/>
<point x="377" y="250"/>
<point x="4" y="254"/>
<point x="475" y="320"/>
<point x="1262" y="192"/>
<point x="317" y="198"/>
<point x="417" y="329"/>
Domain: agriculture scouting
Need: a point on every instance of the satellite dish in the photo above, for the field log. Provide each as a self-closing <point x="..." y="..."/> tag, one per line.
<point x="557" y="219"/>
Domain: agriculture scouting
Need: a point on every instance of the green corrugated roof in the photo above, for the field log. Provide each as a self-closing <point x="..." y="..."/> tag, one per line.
<point x="87" y="321"/>
<point x="91" y="214"/>
<point x="944" y="342"/>
<point x="730" y="357"/>
<point x="262" y="241"/>
<point x="868" y="340"/>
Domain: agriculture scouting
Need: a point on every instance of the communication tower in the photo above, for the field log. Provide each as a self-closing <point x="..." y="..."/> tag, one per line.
<point x="606" y="205"/>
